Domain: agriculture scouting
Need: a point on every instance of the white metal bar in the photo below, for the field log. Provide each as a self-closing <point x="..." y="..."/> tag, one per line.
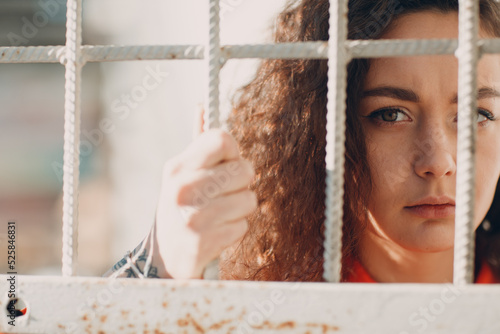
<point x="401" y="48"/>
<point x="299" y="50"/>
<point x="31" y="54"/>
<point x="468" y="57"/>
<point x="142" y="52"/>
<point x="96" y="305"/>
<point x="491" y="45"/>
<point x="335" y="139"/>
<point x="211" y="116"/>
<point x="101" y="53"/>
<point x="72" y="137"/>
<point x="213" y="58"/>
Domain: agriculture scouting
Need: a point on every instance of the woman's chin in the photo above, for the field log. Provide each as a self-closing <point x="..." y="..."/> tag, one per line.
<point x="432" y="237"/>
<point x="432" y="248"/>
<point x="430" y="244"/>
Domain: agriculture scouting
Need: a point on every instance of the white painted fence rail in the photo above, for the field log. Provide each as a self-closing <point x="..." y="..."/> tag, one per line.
<point x="95" y="305"/>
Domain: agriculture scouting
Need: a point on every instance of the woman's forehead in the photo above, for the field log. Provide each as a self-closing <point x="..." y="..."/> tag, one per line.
<point x="434" y="74"/>
<point x="424" y="25"/>
<point x="427" y="24"/>
<point x="429" y="76"/>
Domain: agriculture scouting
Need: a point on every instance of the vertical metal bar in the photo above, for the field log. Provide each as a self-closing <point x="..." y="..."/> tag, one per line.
<point x="211" y="116"/>
<point x="71" y="136"/>
<point x="468" y="57"/>
<point x="213" y="59"/>
<point x="335" y="139"/>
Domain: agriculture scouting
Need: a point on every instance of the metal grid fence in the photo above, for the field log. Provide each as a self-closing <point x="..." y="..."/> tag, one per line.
<point x="75" y="305"/>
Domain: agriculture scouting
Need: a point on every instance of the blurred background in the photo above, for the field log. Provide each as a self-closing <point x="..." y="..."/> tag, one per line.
<point x="121" y="161"/>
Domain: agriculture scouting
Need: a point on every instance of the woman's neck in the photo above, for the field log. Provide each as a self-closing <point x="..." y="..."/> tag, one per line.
<point x="390" y="263"/>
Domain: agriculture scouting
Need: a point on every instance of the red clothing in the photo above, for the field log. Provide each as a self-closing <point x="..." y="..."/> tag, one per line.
<point x="359" y="274"/>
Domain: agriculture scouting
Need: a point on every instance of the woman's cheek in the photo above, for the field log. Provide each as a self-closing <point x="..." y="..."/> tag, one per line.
<point x="485" y="190"/>
<point x="487" y="172"/>
<point x="390" y="166"/>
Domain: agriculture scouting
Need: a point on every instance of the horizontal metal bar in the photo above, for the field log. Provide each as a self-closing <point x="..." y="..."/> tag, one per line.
<point x="490" y="45"/>
<point x="392" y="48"/>
<point x="31" y="54"/>
<point x="142" y="52"/>
<point x="55" y="54"/>
<point x="78" y="305"/>
<point x="302" y="50"/>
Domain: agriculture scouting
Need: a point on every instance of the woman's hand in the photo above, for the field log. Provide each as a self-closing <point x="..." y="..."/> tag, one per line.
<point x="203" y="204"/>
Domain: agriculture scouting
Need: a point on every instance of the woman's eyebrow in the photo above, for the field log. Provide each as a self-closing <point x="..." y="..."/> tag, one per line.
<point x="482" y="93"/>
<point x="409" y="95"/>
<point x="393" y="92"/>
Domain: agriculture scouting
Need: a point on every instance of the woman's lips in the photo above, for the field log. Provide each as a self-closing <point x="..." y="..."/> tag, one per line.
<point x="429" y="211"/>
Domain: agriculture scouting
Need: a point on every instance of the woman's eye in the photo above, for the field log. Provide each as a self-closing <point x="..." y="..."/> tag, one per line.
<point x="483" y="116"/>
<point x="391" y="115"/>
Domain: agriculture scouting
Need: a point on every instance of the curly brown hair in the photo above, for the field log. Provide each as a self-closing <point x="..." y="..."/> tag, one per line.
<point x="279" y="123"/>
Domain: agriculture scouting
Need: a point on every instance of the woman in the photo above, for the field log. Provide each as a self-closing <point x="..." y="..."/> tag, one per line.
<point x="400" y="162"/>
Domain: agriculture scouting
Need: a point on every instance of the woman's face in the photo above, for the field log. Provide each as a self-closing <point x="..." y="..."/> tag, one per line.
<point x="409" y="114"/>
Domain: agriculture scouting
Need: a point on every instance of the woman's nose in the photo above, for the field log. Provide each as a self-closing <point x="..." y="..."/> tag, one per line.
<point x="435" y="155"/>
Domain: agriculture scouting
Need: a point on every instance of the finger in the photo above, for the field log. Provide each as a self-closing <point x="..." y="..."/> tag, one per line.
<point x="222" y="179"/>
<point x="228" y="208"/>
<point x="223" y="237"/>
<point x="211" y="148"/>
<point x="198" y="121"/>
<point x="231" y="207"/>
